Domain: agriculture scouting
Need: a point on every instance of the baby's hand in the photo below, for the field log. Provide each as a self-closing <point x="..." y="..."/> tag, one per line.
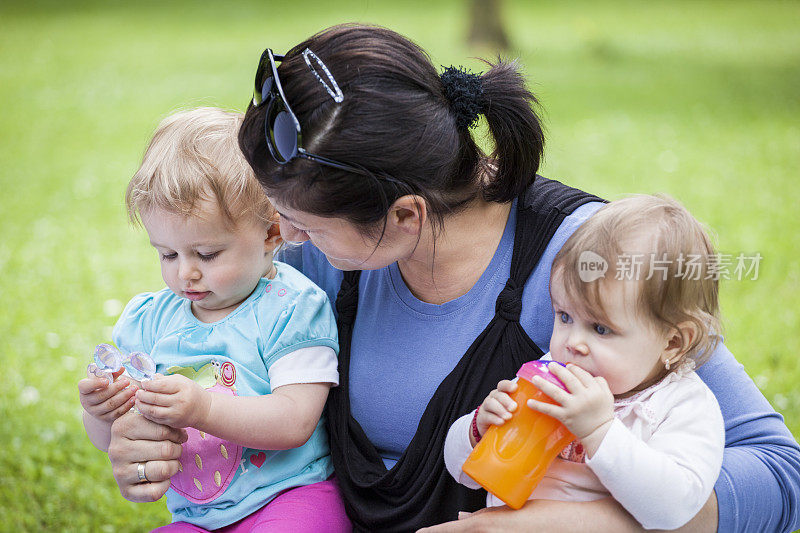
<point x="174" y="401"/>
<point x="497" y="407"/>
<point x="106" y="401"/>
<point x="586" y="407"/>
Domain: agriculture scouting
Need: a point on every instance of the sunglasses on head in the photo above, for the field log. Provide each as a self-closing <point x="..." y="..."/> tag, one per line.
<point x="281" y="127"/>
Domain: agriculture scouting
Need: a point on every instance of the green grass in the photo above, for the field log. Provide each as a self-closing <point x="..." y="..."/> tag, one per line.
<point x="696" y="99"/>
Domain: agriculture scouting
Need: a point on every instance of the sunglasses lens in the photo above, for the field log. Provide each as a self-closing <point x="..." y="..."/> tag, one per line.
<point x="262" y="71"/>
<point x="285" y="135"/>
<point x="265" y="89"/>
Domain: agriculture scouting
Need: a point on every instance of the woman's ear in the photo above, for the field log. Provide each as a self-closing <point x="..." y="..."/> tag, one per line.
<point x="408" y="214"/>
<point x="680" y="339"/>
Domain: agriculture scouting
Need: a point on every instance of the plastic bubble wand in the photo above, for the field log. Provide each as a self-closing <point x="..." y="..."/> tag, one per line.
<point x="108" y="361"/>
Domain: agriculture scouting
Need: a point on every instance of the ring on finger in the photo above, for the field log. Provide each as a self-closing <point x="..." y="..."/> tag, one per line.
<point x="140" y="472"/>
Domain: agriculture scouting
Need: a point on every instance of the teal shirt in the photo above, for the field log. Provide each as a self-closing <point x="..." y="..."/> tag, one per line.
<point x="233" y="356"/>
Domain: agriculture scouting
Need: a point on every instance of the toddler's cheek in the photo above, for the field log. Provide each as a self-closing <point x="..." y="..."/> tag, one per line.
<point x="619" y="386"/>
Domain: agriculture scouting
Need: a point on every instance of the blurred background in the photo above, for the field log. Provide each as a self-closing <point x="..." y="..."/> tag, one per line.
<point x="696" y="99"/>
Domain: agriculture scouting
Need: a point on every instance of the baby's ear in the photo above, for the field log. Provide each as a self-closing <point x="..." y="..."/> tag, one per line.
<point x="681" y="339"/>
<point x="273" y="239"/>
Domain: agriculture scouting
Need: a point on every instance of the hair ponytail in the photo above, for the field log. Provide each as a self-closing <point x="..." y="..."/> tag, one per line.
<point x="509" y="108"/>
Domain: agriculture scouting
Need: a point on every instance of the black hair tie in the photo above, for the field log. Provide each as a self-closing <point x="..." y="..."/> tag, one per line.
<point x="464" y="91"/>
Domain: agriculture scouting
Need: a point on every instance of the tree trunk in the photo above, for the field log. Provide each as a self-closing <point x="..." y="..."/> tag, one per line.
<point x="486" y="25"/>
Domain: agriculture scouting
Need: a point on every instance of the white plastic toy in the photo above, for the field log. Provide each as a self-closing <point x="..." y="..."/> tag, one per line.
<point x="108" y="361"/>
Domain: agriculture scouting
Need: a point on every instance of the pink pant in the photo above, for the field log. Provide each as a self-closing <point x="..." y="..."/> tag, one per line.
<point x="309" y="509"/>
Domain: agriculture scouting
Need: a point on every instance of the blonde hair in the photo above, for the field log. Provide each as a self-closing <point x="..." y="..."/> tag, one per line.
<point x="671" y="237"/>
<point x="194" y="156"/>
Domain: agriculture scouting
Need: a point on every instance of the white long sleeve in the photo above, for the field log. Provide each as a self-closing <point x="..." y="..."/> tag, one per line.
<point x="457" y="449"/>
<point x="664" y="479"/>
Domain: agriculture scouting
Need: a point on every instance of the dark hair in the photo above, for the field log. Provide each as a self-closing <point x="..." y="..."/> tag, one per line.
<point x="396" y="122"/>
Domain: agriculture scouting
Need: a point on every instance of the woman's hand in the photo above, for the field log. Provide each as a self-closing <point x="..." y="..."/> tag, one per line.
<point x="496" y="408"/>
<point x="586" y="408"/>
<point x="175" y="401"/>
<point x="134" y="440"/>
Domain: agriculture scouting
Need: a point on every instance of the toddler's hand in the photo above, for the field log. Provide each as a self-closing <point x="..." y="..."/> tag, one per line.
<point x="497" y="407"/>
<point x="106" y="401"/>
<point x="586" y="407"/>
<point x="174" y="401"/>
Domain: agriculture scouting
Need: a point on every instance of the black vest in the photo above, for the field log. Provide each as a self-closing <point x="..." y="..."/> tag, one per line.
<point x="418" y="491"/>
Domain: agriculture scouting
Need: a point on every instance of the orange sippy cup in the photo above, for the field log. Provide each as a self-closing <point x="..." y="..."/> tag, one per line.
<point x="511" y="459"/>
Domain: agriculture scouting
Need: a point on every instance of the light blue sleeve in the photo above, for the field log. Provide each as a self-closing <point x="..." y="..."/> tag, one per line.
<point x="135" y="329"/>
<point x="759" y="486"/>
<point x="315" y="266"/>
<point x="306" y="321"/>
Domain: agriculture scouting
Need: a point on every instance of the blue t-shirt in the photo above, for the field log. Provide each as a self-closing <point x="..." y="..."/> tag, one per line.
<point x="222" y="482"/>
<point x="403" y="348"/>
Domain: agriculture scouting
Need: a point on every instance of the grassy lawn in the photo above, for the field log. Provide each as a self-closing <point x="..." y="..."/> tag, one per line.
<point x="696" y="99"/>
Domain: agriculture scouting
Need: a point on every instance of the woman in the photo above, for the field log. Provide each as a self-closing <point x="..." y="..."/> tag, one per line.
<point x="365" y="151"/>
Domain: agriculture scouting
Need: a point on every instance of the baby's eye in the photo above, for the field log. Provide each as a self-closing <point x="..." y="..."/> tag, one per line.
<point x="207" y="257"/>
<point x="601" y="329"/>
<point x="564" y="317"/>
<point x="169" y="257"/>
